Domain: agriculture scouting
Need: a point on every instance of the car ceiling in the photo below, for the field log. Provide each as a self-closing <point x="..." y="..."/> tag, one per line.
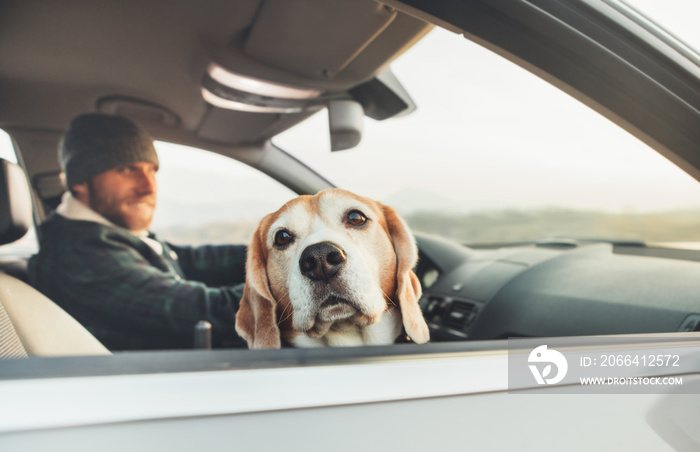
<point x="147" y="59"/>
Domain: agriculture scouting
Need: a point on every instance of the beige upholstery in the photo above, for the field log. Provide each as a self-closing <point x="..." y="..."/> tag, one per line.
<point x="42" y="327"/>
<point x="30" y="323"/>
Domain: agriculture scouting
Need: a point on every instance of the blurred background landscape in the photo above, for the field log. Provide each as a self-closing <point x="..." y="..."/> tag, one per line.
<point x="494" y="226"/>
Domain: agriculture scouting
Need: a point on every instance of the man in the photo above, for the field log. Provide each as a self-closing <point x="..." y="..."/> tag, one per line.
<point x="99" y="262"/>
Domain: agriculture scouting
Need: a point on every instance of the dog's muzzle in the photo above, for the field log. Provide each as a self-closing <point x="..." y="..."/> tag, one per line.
<point x="331" y="299"/>
<point x="322" y="261"/>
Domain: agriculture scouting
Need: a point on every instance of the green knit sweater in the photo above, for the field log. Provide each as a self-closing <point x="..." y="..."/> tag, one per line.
<point x="129" y="296"/>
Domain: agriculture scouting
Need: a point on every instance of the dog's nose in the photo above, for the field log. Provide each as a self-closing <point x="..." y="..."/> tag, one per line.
<point x="322" y="261"/>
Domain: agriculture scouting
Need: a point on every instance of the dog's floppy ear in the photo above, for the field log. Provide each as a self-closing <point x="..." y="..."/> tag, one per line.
<point x="256" y="320"/>
<point x="408" y="289"/>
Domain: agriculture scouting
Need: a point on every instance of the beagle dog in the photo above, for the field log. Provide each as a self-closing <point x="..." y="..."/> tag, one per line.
<point x="333" y="269"/>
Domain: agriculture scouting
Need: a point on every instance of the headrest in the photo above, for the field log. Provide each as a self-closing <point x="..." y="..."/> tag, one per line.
<point x="15" y="203"/>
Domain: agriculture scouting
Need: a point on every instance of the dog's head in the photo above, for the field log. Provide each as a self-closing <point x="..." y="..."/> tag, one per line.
<point x="325" y="261"/>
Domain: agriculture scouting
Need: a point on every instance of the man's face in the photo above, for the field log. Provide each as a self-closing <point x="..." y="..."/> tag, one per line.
<point x="125" y="195"/>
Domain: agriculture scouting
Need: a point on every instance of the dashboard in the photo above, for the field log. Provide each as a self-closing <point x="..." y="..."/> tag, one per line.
<point x="556" y="288"/>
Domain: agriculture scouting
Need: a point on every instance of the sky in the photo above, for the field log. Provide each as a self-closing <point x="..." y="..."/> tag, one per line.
<point x="487" y="135"/>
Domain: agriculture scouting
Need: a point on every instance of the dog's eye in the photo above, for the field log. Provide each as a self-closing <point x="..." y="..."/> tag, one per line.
<point x="356" y="218"/>
<point x="283" y="238"/>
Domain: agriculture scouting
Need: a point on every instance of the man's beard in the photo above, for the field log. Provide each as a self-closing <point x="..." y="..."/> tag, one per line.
<point x="111" y="209"/>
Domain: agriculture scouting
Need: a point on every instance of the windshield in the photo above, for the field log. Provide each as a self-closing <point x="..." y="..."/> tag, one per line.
<point x="495" y="154"/>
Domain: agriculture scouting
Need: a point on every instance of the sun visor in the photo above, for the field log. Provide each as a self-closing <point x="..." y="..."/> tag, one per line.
<point x="315" y="38"/>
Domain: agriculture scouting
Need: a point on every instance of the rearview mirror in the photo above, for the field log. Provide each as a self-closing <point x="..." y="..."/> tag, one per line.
<point x="345" y="119"/>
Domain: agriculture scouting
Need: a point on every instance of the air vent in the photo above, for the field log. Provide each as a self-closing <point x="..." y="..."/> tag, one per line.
<point x="460" y="315"/>
<point x="453" y="316"/>
<point x="433" y="310"/>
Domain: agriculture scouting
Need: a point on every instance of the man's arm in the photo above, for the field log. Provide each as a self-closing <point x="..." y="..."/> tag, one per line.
<point x="214" y="265"/>
<point x="106" y="283"/>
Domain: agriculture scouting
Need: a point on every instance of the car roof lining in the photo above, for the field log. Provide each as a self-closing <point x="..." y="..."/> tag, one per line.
<point x="157" y="52"/>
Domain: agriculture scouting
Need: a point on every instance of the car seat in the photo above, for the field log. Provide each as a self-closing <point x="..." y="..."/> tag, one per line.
<point x="30" y="323"/>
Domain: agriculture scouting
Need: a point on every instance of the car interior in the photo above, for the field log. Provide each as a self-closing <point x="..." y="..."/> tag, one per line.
<point x="229" y="77"/>
<point x="231" y="87"/>
<point x="30" y="323"/>
<point x="517" y="109"/>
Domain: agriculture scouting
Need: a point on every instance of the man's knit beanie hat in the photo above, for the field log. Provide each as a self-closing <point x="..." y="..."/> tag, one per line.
<point x="95" y="143"/>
